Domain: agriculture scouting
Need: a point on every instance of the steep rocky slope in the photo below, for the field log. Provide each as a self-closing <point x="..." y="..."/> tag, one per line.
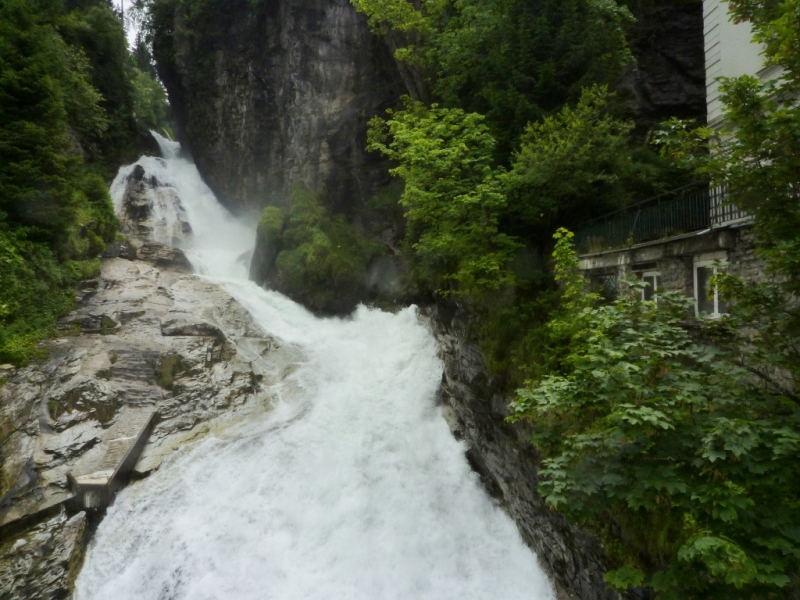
<point x="508" y="465"/>
<point x="147" y="333"/>
<point x="270" y="98"/>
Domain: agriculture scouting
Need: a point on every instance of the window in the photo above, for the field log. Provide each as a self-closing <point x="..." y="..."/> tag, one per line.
<point x="649" y="274"/>
<point x="606" y="284"/>
<point x="652" y="280"/>
<point x="707" y="301"/>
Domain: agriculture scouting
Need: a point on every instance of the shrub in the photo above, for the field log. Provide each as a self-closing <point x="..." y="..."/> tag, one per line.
<point x="661" y="444"/>
<point x="323" y="260"/>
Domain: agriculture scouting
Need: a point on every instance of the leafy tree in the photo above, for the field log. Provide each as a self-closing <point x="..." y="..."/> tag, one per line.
<point x="517" y="61"/>
<point x="45" y="98"/>
<point x="572" y="166"/>
<point x="67" y="106"/>
<point x="150" y="107"/>
<point x="513" y="61"/>
<point x="660" y="443"/>
<point x="143" y="56"/>
<point x="98" y="33"/>
<point x="453" y="198"/>
<point x="408" y="16"/>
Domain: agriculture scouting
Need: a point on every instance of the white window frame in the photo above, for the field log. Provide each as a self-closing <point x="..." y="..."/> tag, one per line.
<point x="715" y="262"/>
<point x="656" y="275"/>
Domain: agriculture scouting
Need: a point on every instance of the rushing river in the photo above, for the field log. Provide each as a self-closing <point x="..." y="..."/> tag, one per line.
<point x="354" y="490"/>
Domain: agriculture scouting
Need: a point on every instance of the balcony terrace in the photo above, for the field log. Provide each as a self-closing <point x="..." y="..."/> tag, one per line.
<point x="689" y="209"/>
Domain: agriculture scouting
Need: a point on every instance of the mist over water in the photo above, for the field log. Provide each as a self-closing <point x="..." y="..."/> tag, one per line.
<point x="352" y="489"/>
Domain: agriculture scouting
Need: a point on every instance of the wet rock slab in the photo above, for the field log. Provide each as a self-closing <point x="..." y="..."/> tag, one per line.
<point x="43" y="561"/>
<point x="179" y="346"/>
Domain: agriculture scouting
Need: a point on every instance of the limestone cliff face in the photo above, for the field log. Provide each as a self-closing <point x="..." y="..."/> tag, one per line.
<point x="274" y="93"/>
<point x="667" y="76"/>
<point x="271" y="94"/>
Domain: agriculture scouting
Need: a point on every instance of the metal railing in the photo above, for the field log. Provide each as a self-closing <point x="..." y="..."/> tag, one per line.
<point x="681" y="211"/>
<point x="724" y="212"/>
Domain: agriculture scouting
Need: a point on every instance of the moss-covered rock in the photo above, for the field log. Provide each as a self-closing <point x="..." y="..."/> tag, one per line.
<point x="268" y="244"/>
<point x="315" y="258"/>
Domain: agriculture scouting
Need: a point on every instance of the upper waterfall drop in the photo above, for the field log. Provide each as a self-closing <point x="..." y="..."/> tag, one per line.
<point x="352" y="487"/>
<point x="216" y="242"/>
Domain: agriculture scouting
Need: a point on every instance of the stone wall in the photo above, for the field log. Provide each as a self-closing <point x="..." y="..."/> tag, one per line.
<point x="674" y="259"/>
<point x="744" y="261"/>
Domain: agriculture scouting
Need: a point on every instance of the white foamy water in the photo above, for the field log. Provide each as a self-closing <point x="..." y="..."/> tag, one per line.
<point x="357" y="491"/>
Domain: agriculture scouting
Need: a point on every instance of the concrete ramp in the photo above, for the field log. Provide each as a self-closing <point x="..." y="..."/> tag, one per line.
<point x="95" y="484"/>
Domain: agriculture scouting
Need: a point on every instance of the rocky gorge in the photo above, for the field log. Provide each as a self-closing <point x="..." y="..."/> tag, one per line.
<point x="265" y="98"/>
<point x="151" y="336"/>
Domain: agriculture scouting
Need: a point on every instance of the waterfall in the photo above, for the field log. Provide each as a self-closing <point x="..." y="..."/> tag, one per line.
<point x="352" y="488"/>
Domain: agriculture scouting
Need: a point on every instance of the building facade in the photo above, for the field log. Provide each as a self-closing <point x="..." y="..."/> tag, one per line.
<point x="677" y="241"/>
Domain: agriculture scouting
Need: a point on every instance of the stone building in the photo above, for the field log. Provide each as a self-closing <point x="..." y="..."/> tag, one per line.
<point x="678" y="240"/>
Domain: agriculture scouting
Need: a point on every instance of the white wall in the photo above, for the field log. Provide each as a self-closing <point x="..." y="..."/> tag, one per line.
<point x="730" y="52"/>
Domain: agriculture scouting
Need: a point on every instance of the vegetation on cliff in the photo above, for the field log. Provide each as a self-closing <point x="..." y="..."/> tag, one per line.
<point x="512" y="61"/>
<point x="67" y="120"/>
<point x="658" y="437"/>
<point x="321" y="260"/>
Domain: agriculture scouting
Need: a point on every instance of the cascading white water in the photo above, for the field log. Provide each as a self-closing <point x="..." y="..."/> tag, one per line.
<point x="354" y="491"/>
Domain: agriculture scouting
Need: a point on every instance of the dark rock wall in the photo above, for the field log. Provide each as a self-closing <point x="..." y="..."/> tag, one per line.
<point x="271" y="94"/>
<point x="508" y="464"/>
<point x="667" y="77"/>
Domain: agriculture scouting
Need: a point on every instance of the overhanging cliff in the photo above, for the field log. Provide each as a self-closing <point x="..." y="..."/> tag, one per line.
<point x="269" y="95"/>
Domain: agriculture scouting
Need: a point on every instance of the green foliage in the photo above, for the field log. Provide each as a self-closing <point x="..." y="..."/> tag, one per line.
<point x="511" y="330"/>
<point x="516" y="61"/>
<point x="323" y="259"/>
<point x="149" y="102"/>
<point x="581" y="163"/>
<point x="94" y="30"/>
<point x="624" y="578"/>
<point x="579" y="154"/>
<point x="667" y="448"/>
<point x="513" y="61"/>
<point x="401" y="15"/>
<point x="32" y="295"/>
<point x="453" y="198"/>
<point x="466" y="219"/>
<point x="272" y="222"/>
<point x="55" y="212"/>
<point x="150" y="107"/>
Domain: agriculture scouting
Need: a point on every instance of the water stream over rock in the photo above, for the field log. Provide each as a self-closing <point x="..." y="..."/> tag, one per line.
<point x="351" y="487"/>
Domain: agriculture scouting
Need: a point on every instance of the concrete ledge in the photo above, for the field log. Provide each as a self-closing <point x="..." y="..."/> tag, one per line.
<point x="94" y="485"/>
<point x="688" y="244"/>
